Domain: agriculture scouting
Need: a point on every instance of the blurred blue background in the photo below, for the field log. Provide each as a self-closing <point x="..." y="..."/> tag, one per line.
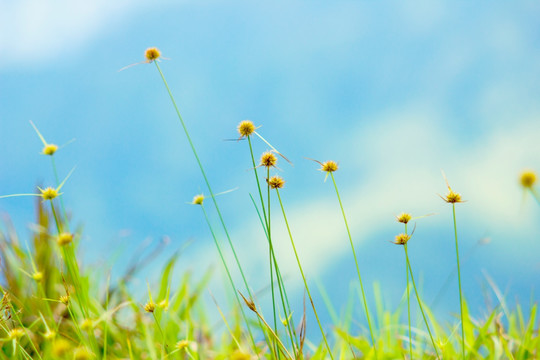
<point x="394" y="92"/>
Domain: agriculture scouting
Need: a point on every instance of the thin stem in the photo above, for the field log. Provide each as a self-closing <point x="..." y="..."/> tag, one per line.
<point x="535" y="194"/>
<point x="459" y="283"/>
<point x="357" y="267"/>
<point x="303" y="276"/>
<point x="204" y="176"/>
<point x="419" y="301"/>
<point x="269" y="232"/>
<point x="281" y="285"/>
<point x="57" y="185"/>
<point x="408" y="303"/>
<point x="162" y="334"/>
<point x="230" y="278"/>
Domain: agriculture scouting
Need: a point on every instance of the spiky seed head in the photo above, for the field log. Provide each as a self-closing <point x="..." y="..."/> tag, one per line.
<point x="50" y="334"/>
<point x="401" y="239"/>
<point x="268" y="159"/>
<point x="452" y="197"/>
<point x="82" y="353"/>
<point x="16" y="334"/>
<point x="329" y="166"/>
<point x="527" y="179"/>
<point x="240" y="355"/>
<point x="276" y="182"/>
<point x="50" y="149"/>
<point x="49" y="193"/>
<point x="182" y="344"/>
<point x="404" y="218"/>
<point x="64" y="239"/>
<point x="152" y="54"/>
<point x="61" y="347"/>
<point x="246" y="128"/>
<point x="198" y="199"/>
<point x="37" y="276"/>
<point x="87" y="324"/>
<point x="150" y="307"/>
<point x="64" y="299"/>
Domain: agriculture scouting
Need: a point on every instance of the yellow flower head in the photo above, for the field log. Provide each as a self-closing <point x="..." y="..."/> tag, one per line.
<point x="16" y="334"/>
<point x="401" y="239"/>
<point x="276" y="182"/>
<point x="48" y="193"/>
<point x="64" y="299"/>
<point x="452" y="197"/>
<point x="527" y="179"/>
<point x="240" y="355"/>
<point x="198" y="199"/>
<point x="268" y="159"/>
<point x="61" y="347"/>
<point x="404" y="218"/>
<point x="37" y="276"/>
<point x="182" y="344"/>
<point x="329" y="166"/>
<point x="150" y="307"/>
<point x="82" y="353"/>
<point x="87" y="324"/>
<point x="64" y="239"/>
<point x="152" y="54"/>
<point x="50" y="149"/>
<point x="246" y="128"/>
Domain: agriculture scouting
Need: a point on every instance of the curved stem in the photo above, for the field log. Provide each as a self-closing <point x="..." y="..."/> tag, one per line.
<point x="357" y="267"/>
<point x="459" y="283"/>
<point x="419" y="301"/>
<point x="303" y="276"/>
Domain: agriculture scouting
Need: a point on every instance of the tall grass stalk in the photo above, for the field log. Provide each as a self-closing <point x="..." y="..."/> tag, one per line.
<point x="366" y="309"/>
<point x="218" y="246"/>
<point x="205" y="177"/>
<point x="303" y="276"/>
<point x="420" y="301"/>
<point x="459" y="283"/>
<point x="408" y="303"/>
<point x="282" y="290"/>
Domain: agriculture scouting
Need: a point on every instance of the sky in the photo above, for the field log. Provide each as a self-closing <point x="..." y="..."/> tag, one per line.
<point x="395" y="92"/>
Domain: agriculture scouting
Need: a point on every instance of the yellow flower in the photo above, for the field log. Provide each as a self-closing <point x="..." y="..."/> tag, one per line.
<point x="404" y="218"/>
<point x="402" y="239"/>
<point x="527" y="179"/>
<point x="246" y="128"/>
<point x="268" y="159"/>
<point x="152" y="54"/>
<point x="276" y="182"/>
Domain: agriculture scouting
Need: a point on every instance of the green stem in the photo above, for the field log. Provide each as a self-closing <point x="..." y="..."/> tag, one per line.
<point x="535" y="195"/>
<point x="281" y="285"/>
<point x="357" y="267"/>
<point x="269" y="228"/>
<point x="162" y="334"/>
<point x="61" y="197"/>
<point x="459" y="283"/>
<point x="205" y="178"/>
<point x="303" y="276"/>
<point x="230" y="279"/>
<point x="419" y="301"/>
<point x="408" y="303"/>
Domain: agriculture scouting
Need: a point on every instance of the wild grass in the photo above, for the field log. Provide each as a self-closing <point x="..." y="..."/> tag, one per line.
<point x="53" y="307"/>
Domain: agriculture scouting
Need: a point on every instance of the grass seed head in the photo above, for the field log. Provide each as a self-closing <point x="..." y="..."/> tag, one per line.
<point x="150" y="307"/>
<point x="37" y="276"/>
<point x="61" y="347"/>
<point x="402" y="239"/>
<point x="48" y="193"/>
<point x="198" y="199"/>
<point x="64" y="299"/>
<point x="50" y="334"/>
<point x="16" y="334"/>
<point x="527" y="179"/>
<point x="164" y="304"/>
<point x="276" y="182"/>
<point x="152" y="54"/>
<point x="87" y="324"/>
<point x="240" y="355"/>
<point x="182" y="344"/>
<point x="452" y="197"/>
<point x="329" y="166"/>
<point x="64" y="239"/>
<point x="82" y="353"/>
<point x="268" y="159"/>
<point x="50" y="149"/>
<point x="404" y="218"/>
<point x="246" y="128"/>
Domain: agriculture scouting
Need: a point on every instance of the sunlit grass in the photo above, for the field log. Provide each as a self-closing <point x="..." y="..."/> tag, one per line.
<point x="54" y="308"/>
